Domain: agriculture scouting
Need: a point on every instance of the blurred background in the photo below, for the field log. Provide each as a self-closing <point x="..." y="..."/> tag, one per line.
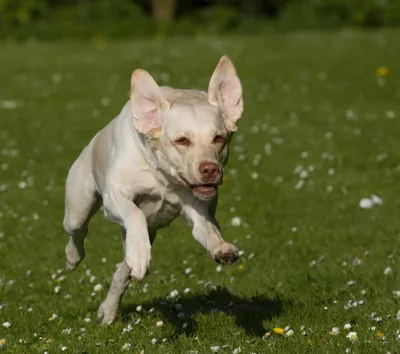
<point x="55" y="19"/>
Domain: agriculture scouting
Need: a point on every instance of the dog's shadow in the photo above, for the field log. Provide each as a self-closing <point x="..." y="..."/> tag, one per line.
<point x="249" y="314"/>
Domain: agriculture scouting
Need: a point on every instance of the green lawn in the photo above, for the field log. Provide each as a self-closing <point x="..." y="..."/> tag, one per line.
<point x="320" y="132"/>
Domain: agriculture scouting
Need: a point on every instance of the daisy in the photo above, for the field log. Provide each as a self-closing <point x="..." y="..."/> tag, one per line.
<point x="289" y="333"/>
<point x="352" y="336"/>
<point x="125" y="347"/>
<point x="335" y="331"/>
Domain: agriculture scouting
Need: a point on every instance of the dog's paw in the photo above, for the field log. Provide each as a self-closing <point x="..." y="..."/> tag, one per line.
<point x="74" y="256"/>
<point x="138" y="260"/>
<point x="225" y="253"/>
<point x="107" y="312"/>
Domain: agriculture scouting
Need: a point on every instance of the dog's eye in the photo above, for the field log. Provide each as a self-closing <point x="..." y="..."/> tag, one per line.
<point x="219" y="139"/>
<point x="183" y="141"/>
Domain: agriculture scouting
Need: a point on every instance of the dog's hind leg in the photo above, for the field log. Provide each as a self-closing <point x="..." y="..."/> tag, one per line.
<point x="81" y="203"/>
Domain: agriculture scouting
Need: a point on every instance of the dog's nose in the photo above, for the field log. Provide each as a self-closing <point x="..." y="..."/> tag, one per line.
<point x="208" y="171"/>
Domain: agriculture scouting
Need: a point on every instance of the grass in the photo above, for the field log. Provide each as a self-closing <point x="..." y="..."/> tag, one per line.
<point x="311" y="100"/>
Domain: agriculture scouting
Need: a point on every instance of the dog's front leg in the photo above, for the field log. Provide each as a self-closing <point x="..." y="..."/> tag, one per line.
<point x="121" y="209"/>
<point x="206" y="231"/>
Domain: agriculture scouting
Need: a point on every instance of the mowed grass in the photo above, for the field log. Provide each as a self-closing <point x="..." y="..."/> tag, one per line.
<point x="320" y="132"/>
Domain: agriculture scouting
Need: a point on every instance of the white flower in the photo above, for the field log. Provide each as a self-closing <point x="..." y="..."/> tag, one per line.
<point x="236" y="221"/>
<point x="335" y="331"/>
<point x="173" y="293"/>
<point x="289" y="333"/>
<point x="388" y="271"/>
<point x="127" y="329"/>
<point x="347" y="326"/>
<point x="352" y="336"/>
<point x="7" y="324"/>
<point x="125" y="347"/>
<point x="57" y="289"/>
<point x="218" y="268"/>
<point x="376" y="200"/>
<point x="366" y="203"/>
<point x="63" y="348"/>
<point x="215" y="348"/>
<point x="98" y="287"/>
<point x="187" y="290"/>
<point x="153" y="341"/>
<point x="159" y="323"/>
<point x="87" y="320"/>
<point x="138" y="308"/>
<point x="237" y="350"/>
<point x="53" y="317"/>
<point x="2" y="342"/>
<point x="396" y="294"/>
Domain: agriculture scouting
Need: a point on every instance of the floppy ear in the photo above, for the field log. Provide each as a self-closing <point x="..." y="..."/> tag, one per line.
<point x="225" y="92"/>
<point x="147" y="102"/>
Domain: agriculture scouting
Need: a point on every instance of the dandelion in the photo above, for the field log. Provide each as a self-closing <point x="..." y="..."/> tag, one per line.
<point x="352" y="336"/>
<point x="335" y="331"/>
<point x="241" y="267"/>
<point x="380" y="335"/>
<point x="2" y="342"/>
<point x="382" y="71"/>
<point x="279" y="330"/>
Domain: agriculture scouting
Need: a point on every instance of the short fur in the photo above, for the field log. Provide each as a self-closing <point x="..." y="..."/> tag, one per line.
<point x="161" y="157"/>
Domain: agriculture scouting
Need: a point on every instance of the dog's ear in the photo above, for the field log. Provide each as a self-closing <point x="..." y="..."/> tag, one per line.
<point x="225" y="92"/>
<point x="147" y="102"/>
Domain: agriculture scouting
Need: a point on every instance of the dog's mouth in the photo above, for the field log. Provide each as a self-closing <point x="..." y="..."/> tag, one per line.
<point x="206" y="190"/>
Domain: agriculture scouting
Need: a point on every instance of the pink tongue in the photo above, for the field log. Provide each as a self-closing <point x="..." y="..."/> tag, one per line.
<point x="205" y="190"/>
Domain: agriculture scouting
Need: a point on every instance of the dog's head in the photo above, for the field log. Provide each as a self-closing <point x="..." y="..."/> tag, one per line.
<point x="189" y="131"/>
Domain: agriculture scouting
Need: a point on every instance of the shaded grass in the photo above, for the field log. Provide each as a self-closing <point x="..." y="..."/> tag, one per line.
<point x="310" y="100"/>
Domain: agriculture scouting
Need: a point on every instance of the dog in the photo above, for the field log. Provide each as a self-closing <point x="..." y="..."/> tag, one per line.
<point x="161" y="157"/>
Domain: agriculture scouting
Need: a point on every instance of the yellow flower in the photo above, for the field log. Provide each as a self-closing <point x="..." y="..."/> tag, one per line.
<point x="382" y="71"/>
<point x="241" y="267"/>
<point x="279" y="330"/>
<point x="380" y="335"/>
<point x="268" y="334"/>
<point x="2" y="342"/>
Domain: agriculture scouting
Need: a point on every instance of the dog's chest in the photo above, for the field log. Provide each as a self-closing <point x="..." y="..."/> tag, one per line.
<point x="160" y="209"/>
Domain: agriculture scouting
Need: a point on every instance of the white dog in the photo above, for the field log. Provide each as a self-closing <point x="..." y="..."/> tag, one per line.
<point x="161" y="157"/>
